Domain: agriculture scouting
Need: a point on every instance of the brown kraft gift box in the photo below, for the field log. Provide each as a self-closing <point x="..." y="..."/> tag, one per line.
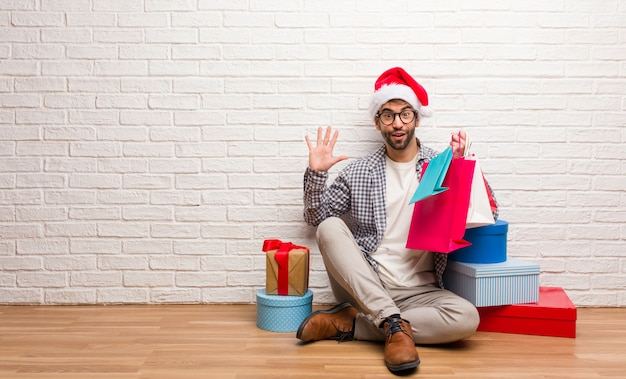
<point x="286" y="268"/>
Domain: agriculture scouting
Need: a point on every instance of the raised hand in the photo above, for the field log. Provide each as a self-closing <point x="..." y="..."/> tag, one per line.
<point x="321" y="155"/>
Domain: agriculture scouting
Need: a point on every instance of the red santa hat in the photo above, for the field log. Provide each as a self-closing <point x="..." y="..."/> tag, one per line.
<point x="396" y="83"/>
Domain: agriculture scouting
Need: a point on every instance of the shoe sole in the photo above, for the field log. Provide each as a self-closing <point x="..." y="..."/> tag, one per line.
<point x="335" y="309"/>
<point x="403" y="367"/>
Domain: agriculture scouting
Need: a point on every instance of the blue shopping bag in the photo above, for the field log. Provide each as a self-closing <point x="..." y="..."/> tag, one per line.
<point x="432" y="179"/>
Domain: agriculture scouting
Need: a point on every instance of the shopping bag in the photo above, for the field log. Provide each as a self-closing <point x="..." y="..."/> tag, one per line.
<point x="479" y="212"/>
<point x="492" y="202"/>
<point x="438" y="222"/>
<point x="431" y="182"/>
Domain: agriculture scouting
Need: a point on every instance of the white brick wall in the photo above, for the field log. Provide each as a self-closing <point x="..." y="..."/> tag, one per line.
<point x="148" y="147"/>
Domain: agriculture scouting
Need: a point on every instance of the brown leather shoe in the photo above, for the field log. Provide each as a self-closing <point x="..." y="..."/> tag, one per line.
<point x="400" y="352"/>
<point x="336" y="323"/>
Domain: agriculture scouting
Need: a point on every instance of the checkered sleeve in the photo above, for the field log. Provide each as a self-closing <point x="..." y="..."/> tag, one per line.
<point x="321" y="201"/>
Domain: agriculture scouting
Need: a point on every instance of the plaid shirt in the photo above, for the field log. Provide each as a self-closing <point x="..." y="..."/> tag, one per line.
<point x="358" y="192"/>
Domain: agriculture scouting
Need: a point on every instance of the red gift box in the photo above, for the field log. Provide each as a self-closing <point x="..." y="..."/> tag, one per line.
<point x="287" y="268"/>
<point x="554" y="315"/>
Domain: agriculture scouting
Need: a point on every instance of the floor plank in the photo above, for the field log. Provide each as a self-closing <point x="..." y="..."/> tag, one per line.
<point x="222" y="341"/>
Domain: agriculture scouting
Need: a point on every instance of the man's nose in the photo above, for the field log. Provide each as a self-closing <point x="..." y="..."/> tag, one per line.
<point x="397" y="122"/>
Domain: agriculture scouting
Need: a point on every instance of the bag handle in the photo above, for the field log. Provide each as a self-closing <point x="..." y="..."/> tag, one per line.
<point x="468" y="144"/>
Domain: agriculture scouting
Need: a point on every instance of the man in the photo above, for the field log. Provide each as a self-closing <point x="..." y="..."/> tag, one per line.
<point x="387" y="292"/>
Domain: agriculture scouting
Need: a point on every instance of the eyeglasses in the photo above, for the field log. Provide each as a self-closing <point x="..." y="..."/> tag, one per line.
<point x="388" y="117"/>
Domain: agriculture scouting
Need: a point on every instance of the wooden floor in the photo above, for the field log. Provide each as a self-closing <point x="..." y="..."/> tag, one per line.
<point x="222" y="341"/>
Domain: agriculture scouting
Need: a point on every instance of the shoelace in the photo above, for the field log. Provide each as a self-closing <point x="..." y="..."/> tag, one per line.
<point x="394" y="325"/>
<point x="344" y="335"/>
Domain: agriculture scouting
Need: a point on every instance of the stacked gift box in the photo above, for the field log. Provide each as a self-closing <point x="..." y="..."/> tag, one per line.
<point x="286" y="299"/>
<point x="506" y="290"/>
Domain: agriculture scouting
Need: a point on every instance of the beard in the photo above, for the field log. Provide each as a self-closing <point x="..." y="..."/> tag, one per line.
<point x="399" y="144"/>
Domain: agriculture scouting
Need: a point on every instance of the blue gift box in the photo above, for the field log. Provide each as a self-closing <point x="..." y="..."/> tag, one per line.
<point x="488" y="244"/>
<point x="514" y="281"/>
<point x="278" y="313"/>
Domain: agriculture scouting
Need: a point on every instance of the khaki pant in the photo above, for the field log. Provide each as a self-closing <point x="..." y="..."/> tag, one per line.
<point x="436" y="315"/>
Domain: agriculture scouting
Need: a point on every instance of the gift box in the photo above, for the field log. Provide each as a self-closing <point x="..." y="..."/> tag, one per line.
<point x="286" y="268"/>
<point x="488" y="244"/>
<point x="282" y="313"/>
<point x="553" y="315"/>
<point x="514" y="281"/>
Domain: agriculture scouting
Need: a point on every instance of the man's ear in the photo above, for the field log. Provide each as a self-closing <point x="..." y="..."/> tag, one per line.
<point x="376" y="123"/>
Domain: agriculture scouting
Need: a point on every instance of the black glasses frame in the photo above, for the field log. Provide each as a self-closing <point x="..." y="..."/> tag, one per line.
<point x="378" y="114"/>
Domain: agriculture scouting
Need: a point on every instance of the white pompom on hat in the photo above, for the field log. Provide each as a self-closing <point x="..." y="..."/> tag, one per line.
<point x="396" y="83"/>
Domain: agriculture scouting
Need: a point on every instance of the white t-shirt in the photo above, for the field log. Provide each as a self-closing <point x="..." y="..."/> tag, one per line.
<point x="399" y="266"/>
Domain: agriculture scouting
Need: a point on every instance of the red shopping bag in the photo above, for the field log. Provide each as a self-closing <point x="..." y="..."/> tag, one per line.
<point x="438" y="222"/>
